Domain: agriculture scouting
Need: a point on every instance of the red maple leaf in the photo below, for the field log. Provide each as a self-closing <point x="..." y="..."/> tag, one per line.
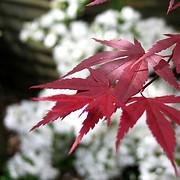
<point x="157" y="114"/>
<point x="95" y="91"/>
<point x="96" y="2"/>
<point x="173" y="5"/>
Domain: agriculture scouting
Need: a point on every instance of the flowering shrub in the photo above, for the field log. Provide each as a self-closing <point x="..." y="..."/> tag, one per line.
<point x="52" y="26"/>
<point x="35" y="156"/>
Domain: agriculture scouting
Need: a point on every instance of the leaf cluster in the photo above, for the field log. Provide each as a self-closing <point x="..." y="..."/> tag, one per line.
<point x="116" y="80"/>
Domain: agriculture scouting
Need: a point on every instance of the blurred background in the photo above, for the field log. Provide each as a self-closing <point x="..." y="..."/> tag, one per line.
<point x="39" y="41"/>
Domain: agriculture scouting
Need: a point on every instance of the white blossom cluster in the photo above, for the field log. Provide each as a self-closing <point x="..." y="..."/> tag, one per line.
<point x="96" y="157"/>
<point x="52" y="26"/>
<point x="126" y="24"/>
<point x="99" y="160"/>
<point x="153" y="164"/>
<point x="35" y="155"/>
<point x="75" y="46"/>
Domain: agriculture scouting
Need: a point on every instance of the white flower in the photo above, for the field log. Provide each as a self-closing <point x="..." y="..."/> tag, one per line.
<point x="59" y="29"/>
<point x="72" y="9"/>
<point x="79" y="30"/>
<point x="46" y="20"/>
<point x="144" y="28"/>
<point x="57" y="15"/>
<point x="35" y="149"/>
<point x="50" y="40"/>
<point x="40" y="165"/>
<point x="38" y="35"/>
<point x="108" y="18"/>
<point x="128" y="14"/>
<point x="24" y="35"/>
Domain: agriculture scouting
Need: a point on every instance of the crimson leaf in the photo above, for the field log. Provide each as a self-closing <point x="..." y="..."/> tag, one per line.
<point x="96" y="2"/>
<point x="157" y="112"/>
<point x="173" y="5"/>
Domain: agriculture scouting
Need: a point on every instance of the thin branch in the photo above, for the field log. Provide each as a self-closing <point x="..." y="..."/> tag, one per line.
<point x="150" y="82"/>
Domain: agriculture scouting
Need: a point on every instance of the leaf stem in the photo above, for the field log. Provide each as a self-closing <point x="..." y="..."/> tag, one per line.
<point x="150" y="82"/>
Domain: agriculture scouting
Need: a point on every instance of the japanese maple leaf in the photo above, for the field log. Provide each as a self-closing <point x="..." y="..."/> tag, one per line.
<point x="158" y="114"/>
<point x="95" y="92"/>
<point x="173" y="5"/>
<point x="96" y="2"/>
<point x="173" y="39"/>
